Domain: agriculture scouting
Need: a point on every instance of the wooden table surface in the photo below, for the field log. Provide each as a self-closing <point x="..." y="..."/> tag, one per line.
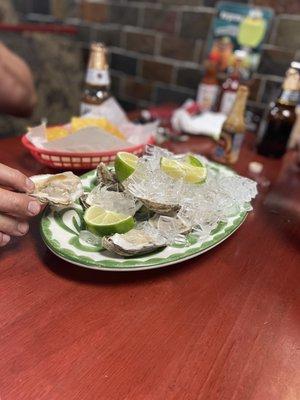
<point x="222" y="326"/>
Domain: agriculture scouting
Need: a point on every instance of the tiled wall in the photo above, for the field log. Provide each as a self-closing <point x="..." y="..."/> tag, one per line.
<point x="157" y="47"/>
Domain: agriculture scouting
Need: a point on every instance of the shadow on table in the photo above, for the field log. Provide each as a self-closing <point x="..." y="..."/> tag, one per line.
<point x="73" y="272"/>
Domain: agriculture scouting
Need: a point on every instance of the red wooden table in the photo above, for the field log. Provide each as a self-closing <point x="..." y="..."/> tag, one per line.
<point x="222" y="326"/>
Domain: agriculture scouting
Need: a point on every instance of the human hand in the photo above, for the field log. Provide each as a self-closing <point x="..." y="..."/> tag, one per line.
<point x="15" y="207"/>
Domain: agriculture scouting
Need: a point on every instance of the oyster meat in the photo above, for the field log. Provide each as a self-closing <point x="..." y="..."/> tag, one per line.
<point x="136" y="241"/>
<point x="59" y="189"/>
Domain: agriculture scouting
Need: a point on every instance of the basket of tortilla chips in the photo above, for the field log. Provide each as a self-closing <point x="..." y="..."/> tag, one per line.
<point x="88" y="140"/>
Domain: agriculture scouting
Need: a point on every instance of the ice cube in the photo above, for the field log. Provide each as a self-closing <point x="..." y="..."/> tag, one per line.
<point x="89" y="238"/>
<point x="120" y="202"/>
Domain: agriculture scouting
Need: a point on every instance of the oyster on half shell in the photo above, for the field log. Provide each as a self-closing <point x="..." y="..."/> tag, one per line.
<point x="59" y="189"/>
<point x="160" y="208"/>
<point x="134" y="242"/>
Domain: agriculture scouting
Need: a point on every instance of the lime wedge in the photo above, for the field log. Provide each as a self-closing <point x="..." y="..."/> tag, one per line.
<point x="192" y="160"/>
<point x="102" y="222"/>
<point x="125" y="165"/>
<point x="191" y="170"/>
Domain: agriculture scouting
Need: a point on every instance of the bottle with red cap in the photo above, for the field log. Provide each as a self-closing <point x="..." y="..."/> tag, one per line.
<point x="208" y="88"/>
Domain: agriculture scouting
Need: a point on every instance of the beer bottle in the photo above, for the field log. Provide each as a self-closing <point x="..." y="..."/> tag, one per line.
<point x="233" y="130"/>
<point x="294" y="140"/>
<point x="97" y="81"/>
<point x="275" y="130"/>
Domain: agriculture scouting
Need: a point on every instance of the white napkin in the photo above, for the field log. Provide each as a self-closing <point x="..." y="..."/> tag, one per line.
<point x="208" y="123"/>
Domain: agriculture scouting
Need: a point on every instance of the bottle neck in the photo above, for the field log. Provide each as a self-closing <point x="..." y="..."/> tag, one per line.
<point x="97" y="72"/>
<point x="235" y="121"/>
<point x="235" y="72"/>
<point x="211" y="72"/>
<point x="239" y="104"/>
<point x="288" y="97"/>
<point x="98" y="60"/>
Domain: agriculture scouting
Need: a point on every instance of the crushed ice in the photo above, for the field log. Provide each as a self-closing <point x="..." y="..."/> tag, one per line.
<point x="202" y="207"/>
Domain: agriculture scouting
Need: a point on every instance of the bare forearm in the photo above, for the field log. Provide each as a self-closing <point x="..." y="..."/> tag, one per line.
<point x="17" y="93"/>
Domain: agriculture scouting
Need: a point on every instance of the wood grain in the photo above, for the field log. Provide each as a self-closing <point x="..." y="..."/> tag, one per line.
<point x="223" y="326"/>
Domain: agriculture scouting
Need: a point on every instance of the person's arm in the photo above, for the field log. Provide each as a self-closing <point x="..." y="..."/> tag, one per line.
<point x="17" y="93"/>
<point x="15" y="207"/>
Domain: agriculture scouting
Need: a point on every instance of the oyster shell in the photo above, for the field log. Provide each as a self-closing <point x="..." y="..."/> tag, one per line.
<point x="160" y="208"/>
<point x="83" y="201"/>
<point x="134" y="242"/>
<point x="143" y="213"/>
<point x="105" y="177"/>
<point x="58" y="189"/>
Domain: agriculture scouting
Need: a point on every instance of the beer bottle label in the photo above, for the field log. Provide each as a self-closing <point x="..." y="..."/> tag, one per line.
<point x="227" y="101"/>
<point x="289" y="97"/>
<point x="207" y="95"/>
<point x="97" y="77"/>
<point x="229" y="146"/>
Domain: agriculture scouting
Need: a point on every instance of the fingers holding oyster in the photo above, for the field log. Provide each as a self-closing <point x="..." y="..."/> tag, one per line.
<point x="21" y="198"/>
<point x="16" y="205"/>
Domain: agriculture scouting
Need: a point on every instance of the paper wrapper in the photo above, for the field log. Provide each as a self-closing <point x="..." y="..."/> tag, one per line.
<point x="94" y="139"/>
<point x="208" y="123"/>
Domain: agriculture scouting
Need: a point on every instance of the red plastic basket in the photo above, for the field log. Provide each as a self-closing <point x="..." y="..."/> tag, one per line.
<point x="74" y="161"/>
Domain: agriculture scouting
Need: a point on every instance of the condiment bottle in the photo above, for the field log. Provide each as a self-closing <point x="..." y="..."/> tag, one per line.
<point x="208" y="88"/>
<point x="97" y="81"/>
<point x="275" y="130"/>
<point x="233" y="130"/>
<point x="231" y="83"/>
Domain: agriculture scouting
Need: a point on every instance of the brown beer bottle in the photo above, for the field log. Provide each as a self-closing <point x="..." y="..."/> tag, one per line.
<point x="275" y="130"/>
<point x="294" y="140"/>
<point x="233" y="130"/>
<point x="97" y="81"/>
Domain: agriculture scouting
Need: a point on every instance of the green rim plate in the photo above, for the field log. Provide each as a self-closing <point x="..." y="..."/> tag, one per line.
<point x="60" y="230"/>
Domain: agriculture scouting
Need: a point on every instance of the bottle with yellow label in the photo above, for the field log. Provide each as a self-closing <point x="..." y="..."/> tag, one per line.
<point x="233" y="130"/>
<point x="97" y="81"/>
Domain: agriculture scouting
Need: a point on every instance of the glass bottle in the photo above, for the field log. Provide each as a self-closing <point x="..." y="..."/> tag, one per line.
<point x="233" y="130"/>
<point x="230" y="85"/>
<point x="275" y="130"/>
<point x="208" y="88"/>
<point x="97" y="81"/>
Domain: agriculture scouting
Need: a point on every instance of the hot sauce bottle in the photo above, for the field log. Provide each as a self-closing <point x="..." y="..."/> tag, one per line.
<point x="230" y="85"/>
<point x="208" y="88"/>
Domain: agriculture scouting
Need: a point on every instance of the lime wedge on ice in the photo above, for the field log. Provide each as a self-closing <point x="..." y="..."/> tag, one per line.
<point x="125" y="165"/>
<point x="191" y="170"/>
<point x="103" y="222"/>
